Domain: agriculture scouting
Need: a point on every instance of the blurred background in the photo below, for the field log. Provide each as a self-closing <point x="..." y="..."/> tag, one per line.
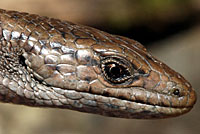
<point x="170" y="29"/>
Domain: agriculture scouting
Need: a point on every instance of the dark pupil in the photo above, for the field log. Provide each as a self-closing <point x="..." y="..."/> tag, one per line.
<point x="115" y="71"/>
<point x="176" y="92"/>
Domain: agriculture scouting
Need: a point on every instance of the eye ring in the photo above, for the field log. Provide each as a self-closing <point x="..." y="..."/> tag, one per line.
<point x="116" y="70"/>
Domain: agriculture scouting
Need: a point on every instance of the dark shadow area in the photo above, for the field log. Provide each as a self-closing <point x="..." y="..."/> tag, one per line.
<point x="148" y="33"/>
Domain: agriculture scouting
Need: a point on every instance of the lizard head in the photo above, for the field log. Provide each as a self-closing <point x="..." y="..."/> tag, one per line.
<point x="131" y="73"/>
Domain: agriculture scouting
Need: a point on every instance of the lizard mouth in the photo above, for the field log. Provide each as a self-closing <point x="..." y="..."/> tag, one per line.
<point x="154" y="106"/>
<point x="115" y="106"/>
<point x="143" y="96"/>
<point x="146" y="104"/>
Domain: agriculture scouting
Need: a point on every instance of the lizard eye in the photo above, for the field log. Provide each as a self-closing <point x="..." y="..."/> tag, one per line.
<point x="176" y="92"/>
<point x="115" y="70"/>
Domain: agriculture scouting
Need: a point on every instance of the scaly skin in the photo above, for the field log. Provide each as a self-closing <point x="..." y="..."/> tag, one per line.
<point x="46" y="62"/>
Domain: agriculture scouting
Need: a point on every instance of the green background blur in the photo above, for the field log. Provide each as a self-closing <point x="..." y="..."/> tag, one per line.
<point x="169" y="28"/>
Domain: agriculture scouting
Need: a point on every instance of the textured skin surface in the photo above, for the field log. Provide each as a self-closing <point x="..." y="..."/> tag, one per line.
<point x="51" y="63"/>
